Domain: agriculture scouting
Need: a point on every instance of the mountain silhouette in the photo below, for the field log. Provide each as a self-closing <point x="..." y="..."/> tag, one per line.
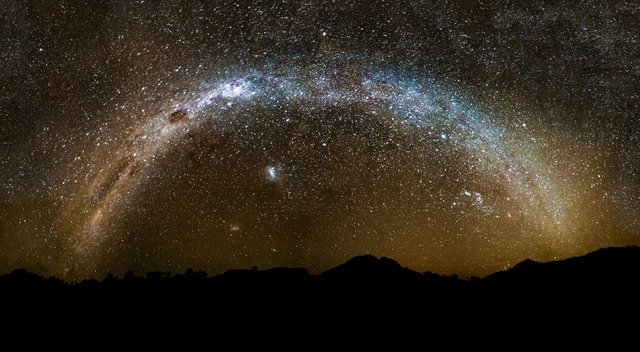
<point x="608" y="267"/>
<point x="602" y="283"/>
<point x="369" y="268"/>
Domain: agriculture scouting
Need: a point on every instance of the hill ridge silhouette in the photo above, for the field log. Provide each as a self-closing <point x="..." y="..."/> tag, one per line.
<point x="615" y="262"/>
<point x="605" y="283"/>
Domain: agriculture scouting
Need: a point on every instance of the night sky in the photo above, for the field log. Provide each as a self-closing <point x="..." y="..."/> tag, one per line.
<point x="453" y="136"/>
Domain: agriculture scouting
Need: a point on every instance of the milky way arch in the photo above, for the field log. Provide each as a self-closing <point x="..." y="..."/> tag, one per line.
<point x="414" y="103"/>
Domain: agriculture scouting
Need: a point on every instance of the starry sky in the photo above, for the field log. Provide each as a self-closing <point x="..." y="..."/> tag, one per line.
<point x="453" y="136"/>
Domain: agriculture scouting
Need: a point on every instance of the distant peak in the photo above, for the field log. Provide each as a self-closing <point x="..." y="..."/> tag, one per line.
<point x="389" y="262"/>
<point x="368" y="265"/>
<point x="526" y="262"/>
<point x="361" y="259"/>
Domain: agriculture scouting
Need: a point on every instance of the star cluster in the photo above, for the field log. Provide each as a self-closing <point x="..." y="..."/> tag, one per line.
<point x="453" y="137"/>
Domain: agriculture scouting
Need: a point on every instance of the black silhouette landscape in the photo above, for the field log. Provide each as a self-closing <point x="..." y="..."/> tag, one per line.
<point x="603" y="279"/>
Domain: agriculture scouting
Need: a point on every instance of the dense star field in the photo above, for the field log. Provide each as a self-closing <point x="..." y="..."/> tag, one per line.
<point x="454" y="136"/>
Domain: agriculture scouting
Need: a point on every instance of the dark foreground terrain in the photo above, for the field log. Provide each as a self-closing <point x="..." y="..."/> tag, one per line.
<point x="603" y="273"/>
<point x="599" y="289"/>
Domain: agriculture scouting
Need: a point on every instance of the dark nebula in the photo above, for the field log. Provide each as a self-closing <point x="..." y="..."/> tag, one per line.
<point x="178" y="116"/>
